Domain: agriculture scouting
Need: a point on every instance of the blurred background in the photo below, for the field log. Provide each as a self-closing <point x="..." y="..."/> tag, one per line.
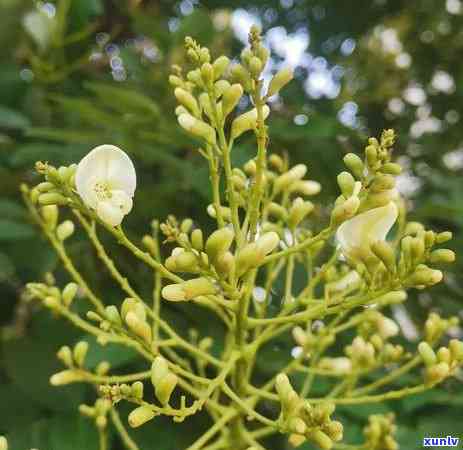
<point x="78" y="73"/>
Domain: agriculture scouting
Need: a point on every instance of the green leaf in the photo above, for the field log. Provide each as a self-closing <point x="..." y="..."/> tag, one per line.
<point x="123" y="100"/>
<point x="11" y="119"/>
<point x="15" y="231"/>
<point x="28" y="154"/>
<point x="74" y="136"/>
<point x="11" y="209"/>
<point x="116" y="355"/>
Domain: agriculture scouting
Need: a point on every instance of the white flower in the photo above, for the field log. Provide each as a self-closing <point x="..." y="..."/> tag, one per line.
<point x="106" y="182"/>
<point x="357" y="234"/>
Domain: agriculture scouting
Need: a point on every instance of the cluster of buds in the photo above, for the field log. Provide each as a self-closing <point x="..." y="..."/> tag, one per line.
<point x="311" y="338"/>
<point x="215" y="259"/>
<point x="443" y="363"/>
<point x="51" y="296"/>
<point x="378" y="324"/>
<point x="435" y="327"/>
<point x="380" y="431"/>
<point x="163" y="380"/>
<point x="98" y="412"/>
<point x="116" y="392"/>
<point x="74" y="360"/>
<point x="132" y="315"/>
<point x="304" y="421"/>
<point x="417" y="253"/>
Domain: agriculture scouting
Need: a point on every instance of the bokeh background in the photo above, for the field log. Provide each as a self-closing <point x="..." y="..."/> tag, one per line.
<point x="78" y="73"/>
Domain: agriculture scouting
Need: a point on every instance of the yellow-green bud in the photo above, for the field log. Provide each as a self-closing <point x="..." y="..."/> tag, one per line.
<point x="414" y="228"/>
<point x="300" y="336"/>
<point x="165" y="387"/>
<point x="225" y="263"/>
<point x="175" y="80"/>
<point x="129" y="304"/>
<point x="247" y="121"/>
<point x="69" y="292"/>
<point x="276" y="162"/>
<point x="159" y="369"/>
<point x="197" y="239"/>
<point x="137" y="390"/>
<point x="88" y="411"/>
<point x="267" y="243"/>
<point x="50" y="215"/>
<point x="112" y="314"/>
<point x="391" y="168"/>
<point x="426" y="276"/>
<point x="442" y="255"/>
<point x="319" y="438"/>
<point x="241" y="75"/>
<point x="173" y="293"/>
<point x="65" y="377"/>
<point x="140" y="416"/>
<point x="255" y="67"/>
<point x="392" y="298"/>
<point x="354" y="164"/>
<point x="65" y="355"/>
<point x="346" y="183"/>
<point x="384" y="253"/>
<point x="138" y="326"/>
<point x="382" y="182"/>
<point x="198" y="286"/>
<point x="230" y="98"/>
<point x="334" y="430"/>
<point x="443" y="355"/>
<point x="298" y="211"/>
<point x="187" y="100"/>
<point x="65" y="230"/>
<point x="277" y="211"/>
<point x="279" y="80"/>
<point x="345" y="210"/>
<point x="80" y="352"/>
<point x="45" y="186"/>
<point x="207" y="74"/>
<point x="296" y="173"/>
<point x="429" y="238"/>
<point x="197" y="127"/>
<point x="427" y="354"/>
<point x="3" y="443"/>
<point x="181" y="110"/>
<point x="103" y="368"/>
<point x="372" y="155"/>
<point x="295" y="440"/>
<point x="220" y="65"/>
<point x="305" y="187"/>
<point x="52" y="198"/>
<point x="247" y="258"/>
<point x="456" y="349"/>
<point x="250" y="167"/>
<point x="219" y="242"/>
<point x="224" y="211"/>
<point x="444" y="237"/>
<point x="437" y="373"/>
<point x="297" y="425"/>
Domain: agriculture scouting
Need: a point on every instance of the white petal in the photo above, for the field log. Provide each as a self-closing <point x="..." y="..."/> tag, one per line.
<point x="367" y="227"/>
<point x="109" y="213"/>
<point x="122" y="201"/>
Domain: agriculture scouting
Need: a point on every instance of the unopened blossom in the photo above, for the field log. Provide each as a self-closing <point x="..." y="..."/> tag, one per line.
<point x="356" y="235"/>
<point x="106" y="182"/>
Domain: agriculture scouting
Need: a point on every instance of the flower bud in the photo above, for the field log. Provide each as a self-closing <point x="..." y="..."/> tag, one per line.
<point x="230" y="98"/>
<point x="173" y="293"/>
<point x="198" y="286"/>
<point x="300" y="336"/>
<point x="197" y="127"/>
<point x="382" y="183"/>
<point x="50" y="215"/>
<point x="186" y="99"/>
<point x="197" y="240"/>
<point x="247" y="121"/>
<point x="68" y="294"/>
<point x="138" y="326"/>
<point x="207" y="73"/>
<point x="443" y="355"/>
<point x="165" y="387"/>
<point x="437" y="373"/>
<point x="319" y="438"/>
<point x="392" y="168"/>
<point x="175" y="81"/>
<point x="297" y="425"/>
<point x="384" y="252"/>
<point x="346" y="183"/>
<point x="279" y="80"/>
<point x="426" y="276"/>
<point x="296" y="173"/>
<point x="52" y="198"/>
<point x="444" y="237"/>
<point x="354" y="164"/>
<point x="80" y="352"/>
<point x="296" y="440"/>
<point x="220" y="87"/>
<point x="65" y="230"/>
<point x="112" y="314"/>
<point x="298" y="211"/>
<point x="240" y="75"/>
<point x="225" y="263"/>
<point x="247" y="258"/>
<point x="103" y="368"/>
<point x="219" y="242"/>
<point x="334" y="430"/>
<point x="277" y="211"/>
<point x="427" y="354"/>
<point x="345" y="210"/>
<point x="65" y="355"/>
<point x="220" y="65"/>
<point x="3" y="443"/>
<point x="372" y="155"/>
<point x="392" y="298"/>
<point x="305" y="187"/>
<point x="442" y="255"/>
<point x="137" y="390"/>
<point x="140" y="416"/>
<point x="65" y="377"/>
<point x="267" y="243"/>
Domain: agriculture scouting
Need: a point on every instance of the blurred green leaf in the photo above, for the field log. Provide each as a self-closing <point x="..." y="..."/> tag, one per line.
<point x="15" y="231"/>
<point x="12" y="119"/>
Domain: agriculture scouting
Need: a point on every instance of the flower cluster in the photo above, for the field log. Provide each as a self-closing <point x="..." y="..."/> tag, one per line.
<point x="358" y="257"/>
